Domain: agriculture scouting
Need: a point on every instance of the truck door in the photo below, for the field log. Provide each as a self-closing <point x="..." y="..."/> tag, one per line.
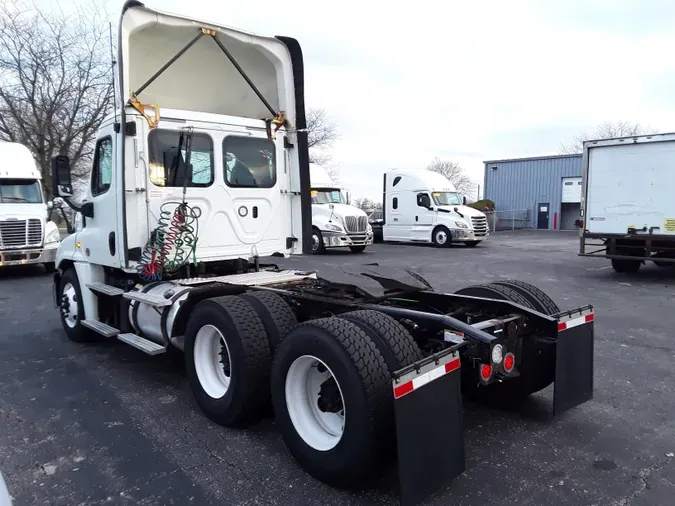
<point x="99" y="236"/>
<point x="423" y="216"/>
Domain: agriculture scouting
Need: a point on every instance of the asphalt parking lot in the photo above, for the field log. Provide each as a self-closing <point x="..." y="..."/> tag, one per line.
<point x="106" y="424"/>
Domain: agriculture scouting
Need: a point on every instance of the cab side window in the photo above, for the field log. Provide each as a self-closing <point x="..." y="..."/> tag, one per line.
<point x="101" y="176"/>
<point x="423" y="200"/>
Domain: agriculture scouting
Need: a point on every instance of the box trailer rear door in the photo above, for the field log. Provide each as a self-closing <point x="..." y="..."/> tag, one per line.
<point x="630" y="185"/>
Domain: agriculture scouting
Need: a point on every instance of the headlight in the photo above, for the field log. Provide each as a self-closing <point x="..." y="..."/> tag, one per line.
<point x="461" y="224"/>
<point x="78" y="222"/>
<point x="497" y="354"/>
<point x="53" y="236"/>
<point x="335" y="228"/>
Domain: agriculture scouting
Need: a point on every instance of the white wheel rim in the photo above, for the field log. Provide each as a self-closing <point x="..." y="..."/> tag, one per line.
<point x="69" y="305"/>
<point x="315" y="242"/>
<point x="441" y="237"/>
<point x="213" y="364"/>
<point x="321" y="430"/>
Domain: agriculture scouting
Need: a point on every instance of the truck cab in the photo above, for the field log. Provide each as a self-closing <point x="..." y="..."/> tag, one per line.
<point x="335" y="222"/>
<point x="27" y="235"/>
<point x="423" y="206"/>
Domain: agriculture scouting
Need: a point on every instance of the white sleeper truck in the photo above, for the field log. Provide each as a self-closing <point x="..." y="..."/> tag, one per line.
<point x="200" y="179"/>
<point x="627" y="205"/>
<point x="27" y="235"/>
<point x="423" y="206"/>
<point x="336" y="223"/>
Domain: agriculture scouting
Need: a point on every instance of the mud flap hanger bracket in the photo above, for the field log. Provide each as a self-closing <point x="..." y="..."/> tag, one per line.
<point x="278" y="119"/>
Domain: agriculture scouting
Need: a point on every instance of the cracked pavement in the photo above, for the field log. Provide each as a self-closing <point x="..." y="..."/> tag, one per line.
<point x="103" y="424"/>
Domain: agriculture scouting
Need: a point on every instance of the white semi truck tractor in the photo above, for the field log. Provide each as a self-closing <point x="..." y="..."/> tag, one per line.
<point x="199" y="179"/>
<point x="335" y="222"/>
<point x="424" y="207"/>
<point x="27" y="235"/>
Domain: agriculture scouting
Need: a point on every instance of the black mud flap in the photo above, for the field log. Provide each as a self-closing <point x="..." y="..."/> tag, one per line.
<point x="574" y="361"/>
<point x="429" y="431"/>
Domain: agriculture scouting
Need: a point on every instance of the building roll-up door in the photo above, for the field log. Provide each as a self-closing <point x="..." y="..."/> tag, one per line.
<point x="571" y="190"/>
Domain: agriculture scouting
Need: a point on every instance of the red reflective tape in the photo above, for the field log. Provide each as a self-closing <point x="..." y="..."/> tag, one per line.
<point x="403" y="389"/>
<point x="452" y="366"/>
<point x="427" y="377"/>
<point x="576" y="322"/>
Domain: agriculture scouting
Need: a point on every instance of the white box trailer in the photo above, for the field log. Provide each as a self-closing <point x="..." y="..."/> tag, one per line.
<point x="627" y="209"/>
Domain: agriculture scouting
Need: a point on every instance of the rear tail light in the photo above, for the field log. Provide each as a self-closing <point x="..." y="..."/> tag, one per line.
<point x="509" y="362"/>
<point x="485" y="372"/>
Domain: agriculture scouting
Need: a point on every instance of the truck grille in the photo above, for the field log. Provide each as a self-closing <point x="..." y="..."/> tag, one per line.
<point x="356" y="224"/>
<point x="20" y="233"/>
<point x="480" y="226"/>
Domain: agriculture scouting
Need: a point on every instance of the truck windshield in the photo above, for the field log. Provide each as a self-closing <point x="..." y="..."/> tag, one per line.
<point x="327" y="196"/>
<point x="447" y="198"/>
<point x="22" y="191"/>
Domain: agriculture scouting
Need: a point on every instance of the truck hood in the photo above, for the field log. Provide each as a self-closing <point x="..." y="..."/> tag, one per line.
<point x="23" y="211"/>
<point x="468" y="212"/>
<point x="339" y="210"/>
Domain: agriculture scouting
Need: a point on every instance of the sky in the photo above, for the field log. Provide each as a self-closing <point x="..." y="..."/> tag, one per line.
<point x="464" y="81"/>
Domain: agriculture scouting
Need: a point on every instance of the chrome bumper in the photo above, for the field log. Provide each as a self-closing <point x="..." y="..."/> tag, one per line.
<point x="28" y="256"/>
<point x="460" y="234"/>
<point x="339" y="240"/>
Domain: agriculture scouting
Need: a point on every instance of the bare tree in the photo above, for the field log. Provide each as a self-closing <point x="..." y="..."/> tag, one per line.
<point x="321" y="135"/>
<point x="367" y="204"/>
<point x="55" y="80"/>
<point x="455" y="174"/>
<point x="606" y="130"/>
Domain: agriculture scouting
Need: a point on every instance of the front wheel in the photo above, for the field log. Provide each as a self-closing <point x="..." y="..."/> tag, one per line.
<point x="71" y="308"/>
<point x="318" y="246"/>
<point x="441" y="237"/>
<point x="357" y="249"/>
<point x="332" y="400"/>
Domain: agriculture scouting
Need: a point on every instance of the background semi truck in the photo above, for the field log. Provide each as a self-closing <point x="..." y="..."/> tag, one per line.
<point x="335" y="222"/>
<point x="191" y="200"/>
<point x="627" y="205"/>
<point x="27" y="235"/>
<point x="423" y="206"/>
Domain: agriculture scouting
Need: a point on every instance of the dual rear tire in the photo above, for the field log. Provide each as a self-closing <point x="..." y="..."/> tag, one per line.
<point x="538" y="354"/>
<point x="328" y="380"/>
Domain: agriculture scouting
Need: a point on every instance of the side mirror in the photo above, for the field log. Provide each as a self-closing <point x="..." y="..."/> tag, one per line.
<point x="463" y="201"/>
<point x="61" y="183"/>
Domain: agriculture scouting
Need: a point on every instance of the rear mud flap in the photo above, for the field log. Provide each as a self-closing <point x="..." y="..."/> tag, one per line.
<point x="429" y="431"/>
<point x="574" y="362"/>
